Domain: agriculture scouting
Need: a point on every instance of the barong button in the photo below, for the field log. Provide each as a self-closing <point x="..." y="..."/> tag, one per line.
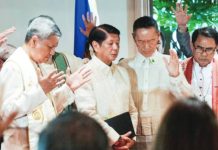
<point x="36" y="115"/>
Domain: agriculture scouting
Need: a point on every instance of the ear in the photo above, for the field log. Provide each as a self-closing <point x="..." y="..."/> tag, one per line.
<point x="158" y="33"/>
<point x="192" y="46"/>
<point x="95" y="46"/>
<point x="33" y="41"/>
<point x="159" y="37"/>
<point x="216" y="50"/>
<point x="133" y="36"/>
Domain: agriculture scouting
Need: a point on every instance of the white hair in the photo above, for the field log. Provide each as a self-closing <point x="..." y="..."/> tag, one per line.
<point x="43" y="27"/>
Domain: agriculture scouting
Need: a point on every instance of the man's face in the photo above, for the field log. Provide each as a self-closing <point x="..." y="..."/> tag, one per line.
<point x="146" y="40"/>
<point x="204" y="50"/>
<point x="109" y="48"/>
<point x="44" y="49"/>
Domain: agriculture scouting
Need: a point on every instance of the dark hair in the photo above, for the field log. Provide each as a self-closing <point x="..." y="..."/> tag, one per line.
<point x="206" y="32"/>
<point x="145" y="22"/>
<point x="188" y="125"/>
<point x="43" y="26"/>
<point x="73" y="131"/>
<point x="99" y="33"/>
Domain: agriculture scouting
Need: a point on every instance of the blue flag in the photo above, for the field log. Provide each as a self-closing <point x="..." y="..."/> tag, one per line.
<point x="81" y="8"/>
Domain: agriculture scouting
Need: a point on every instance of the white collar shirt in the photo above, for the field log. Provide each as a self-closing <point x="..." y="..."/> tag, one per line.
<point x="202" y="82"/>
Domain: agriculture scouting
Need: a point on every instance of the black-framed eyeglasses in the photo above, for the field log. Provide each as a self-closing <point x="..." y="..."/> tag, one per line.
<point x="207" y="50"/>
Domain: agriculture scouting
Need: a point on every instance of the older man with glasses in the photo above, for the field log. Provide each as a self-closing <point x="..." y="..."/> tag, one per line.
<point x="201" y="70"/>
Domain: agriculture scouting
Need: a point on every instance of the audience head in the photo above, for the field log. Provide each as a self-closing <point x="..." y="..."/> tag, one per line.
<point x="146" y="35"/>
<point x="205" y="42"/>
<point x="42" y="38"/>
<point x="188" y="125"/>
<point x="105" y="41"/>
<point x="73" y="131"/>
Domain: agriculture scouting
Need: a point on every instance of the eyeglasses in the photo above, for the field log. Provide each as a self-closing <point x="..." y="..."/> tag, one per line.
<point x="207" y="50"/>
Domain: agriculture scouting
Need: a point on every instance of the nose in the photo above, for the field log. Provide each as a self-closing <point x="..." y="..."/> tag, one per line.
<point x="204" y="52"/>
<point x="115" y="46"/>
<point x="145" y="45"/>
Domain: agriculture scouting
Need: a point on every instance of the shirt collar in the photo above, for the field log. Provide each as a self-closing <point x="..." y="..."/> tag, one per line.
<point x="102" y="66"/>
<point x="142" y="59"/>
<point x="197" y="67"/>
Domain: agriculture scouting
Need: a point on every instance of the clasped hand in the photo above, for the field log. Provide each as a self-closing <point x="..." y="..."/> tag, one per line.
<point x="124" y="142"/>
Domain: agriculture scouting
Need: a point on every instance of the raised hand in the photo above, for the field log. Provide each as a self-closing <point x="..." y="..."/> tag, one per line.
<point x="51" y="81"/>
<point x="2" y="41"/>
<point x="4" y="34"/>
<point x="173" y="64"/>
<point x="78" y="78"/>
<point x="181" y="15"/>
<point x="89" y="22"/>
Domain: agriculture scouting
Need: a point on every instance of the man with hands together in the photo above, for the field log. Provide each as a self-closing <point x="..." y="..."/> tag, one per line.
<point x="108" y="93"/>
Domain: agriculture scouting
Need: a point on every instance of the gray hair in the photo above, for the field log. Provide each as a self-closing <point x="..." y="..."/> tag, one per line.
<point x="43" y="26"/>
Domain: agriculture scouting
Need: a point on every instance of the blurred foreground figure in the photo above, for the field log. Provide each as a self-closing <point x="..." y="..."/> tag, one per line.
<point x="73" y="131"/>
<point x="188" y="125"/>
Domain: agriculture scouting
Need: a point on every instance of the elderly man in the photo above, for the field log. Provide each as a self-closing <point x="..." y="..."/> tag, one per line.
<point x="34" y="96"/>
<point x="201" y="70"/>
<point x="149" y="70"/>
<point x="108" y="93"/>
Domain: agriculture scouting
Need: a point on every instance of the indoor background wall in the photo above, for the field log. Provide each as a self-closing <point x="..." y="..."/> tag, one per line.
<point x="18" y="12"/>
<point x="120" y="13"/>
